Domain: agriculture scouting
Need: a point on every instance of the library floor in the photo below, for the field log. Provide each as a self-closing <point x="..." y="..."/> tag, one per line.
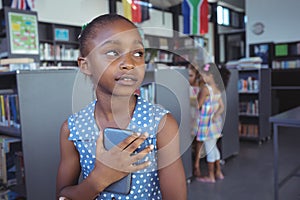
<point x="249" y="175"/>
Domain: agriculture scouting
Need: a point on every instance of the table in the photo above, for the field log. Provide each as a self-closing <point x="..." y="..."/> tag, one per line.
<point x="289" y="118"/>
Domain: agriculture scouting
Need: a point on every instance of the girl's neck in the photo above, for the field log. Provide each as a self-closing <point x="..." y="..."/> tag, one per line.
<point x="114" y="111"/>
<point x="213" y="86"/>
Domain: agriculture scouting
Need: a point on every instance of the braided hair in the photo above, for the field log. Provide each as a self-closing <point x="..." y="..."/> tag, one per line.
<point x="89" y="31"/>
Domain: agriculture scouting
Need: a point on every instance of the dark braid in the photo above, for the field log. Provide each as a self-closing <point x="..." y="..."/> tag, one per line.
<point x="90" y="31"/>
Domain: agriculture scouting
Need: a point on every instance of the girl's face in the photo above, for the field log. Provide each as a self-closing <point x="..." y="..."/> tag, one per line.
<point x="116" y="62"/>
<point x="192" y="77"/>
<point x="207" y="78"/>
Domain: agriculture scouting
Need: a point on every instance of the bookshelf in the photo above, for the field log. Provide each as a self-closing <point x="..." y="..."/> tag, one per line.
<point x="58" y="44"/>
<point x="229" y="144"/>
<point x="254" y="103"/>
<point x="176" y="100"/>
<point x="184" y="48"/>
<point x="286" y="55"/>
<point x="172" y="51"/>
<point x="285" y="76"/>
<point x="158" y="49"/>
<point x="41" y="116"/>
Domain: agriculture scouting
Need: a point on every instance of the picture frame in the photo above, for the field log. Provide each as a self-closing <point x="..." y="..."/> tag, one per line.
<point x="263" y="50"/>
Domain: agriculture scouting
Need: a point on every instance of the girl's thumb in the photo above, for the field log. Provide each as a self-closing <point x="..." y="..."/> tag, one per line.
<point x="99" y="144"/>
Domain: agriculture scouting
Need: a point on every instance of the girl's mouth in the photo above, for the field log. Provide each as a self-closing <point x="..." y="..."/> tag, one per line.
<point x="127" y="80"/>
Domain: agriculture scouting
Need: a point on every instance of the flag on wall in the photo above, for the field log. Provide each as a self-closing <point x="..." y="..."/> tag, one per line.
<point x="195" y="16"/>
<point x="136" y="10"/>
<point x="22" y="4"/>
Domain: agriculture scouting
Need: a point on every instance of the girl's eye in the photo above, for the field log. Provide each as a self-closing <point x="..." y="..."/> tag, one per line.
<point x="112" y="53"/>
<point x="138" y="54"/>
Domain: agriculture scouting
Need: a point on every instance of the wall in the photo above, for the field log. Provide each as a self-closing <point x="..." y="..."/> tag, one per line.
<point x="159" y="24"/>
<point x="79" y="12"/>
<point x="281" y="20"/>
<point x="73" y="12"/>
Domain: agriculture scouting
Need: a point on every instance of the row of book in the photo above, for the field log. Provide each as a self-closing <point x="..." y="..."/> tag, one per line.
<point x="12" y="64"/>
<point x="250" y="84"/>
<point x="9" y="110"/>
<point x="12" y="162"/>
<point x="286" y="64"/>
<point x="57" y="52"/>
<point x="147" y="92"/>
<point x="248" y="130"/>
<point x="249" y="108"/>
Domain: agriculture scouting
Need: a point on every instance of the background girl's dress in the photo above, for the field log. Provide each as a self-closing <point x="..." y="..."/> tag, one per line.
<point x="204" y="127"/>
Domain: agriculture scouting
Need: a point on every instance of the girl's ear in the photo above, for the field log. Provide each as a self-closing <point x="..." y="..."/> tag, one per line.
<point x="83" y="65"/>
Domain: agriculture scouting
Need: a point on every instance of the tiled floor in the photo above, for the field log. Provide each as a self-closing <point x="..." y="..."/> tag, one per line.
<point x="249" y="175"/>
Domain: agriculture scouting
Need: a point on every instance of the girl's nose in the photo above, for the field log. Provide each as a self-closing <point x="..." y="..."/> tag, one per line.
<point x="127" y="62"/>
<point x="126" y="66"/>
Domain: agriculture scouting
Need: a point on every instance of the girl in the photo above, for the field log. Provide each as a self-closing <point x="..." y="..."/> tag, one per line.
<point x="112" y="55"/>
<point x="209" y="123"/>
<point x="196" y="82"/>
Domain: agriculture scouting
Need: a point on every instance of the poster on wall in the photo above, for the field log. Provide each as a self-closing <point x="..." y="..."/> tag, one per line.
<point x="263" y="50"/>
<point x="23" y="32"/>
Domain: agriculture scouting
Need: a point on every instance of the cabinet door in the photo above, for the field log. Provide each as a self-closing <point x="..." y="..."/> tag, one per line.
<point x="45" y="102"/>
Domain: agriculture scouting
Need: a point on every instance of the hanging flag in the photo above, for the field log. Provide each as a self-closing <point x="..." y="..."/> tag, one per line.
<point x="195" y="17"/>
<point x="136" y="10"/>
<point x="22" y="4"/>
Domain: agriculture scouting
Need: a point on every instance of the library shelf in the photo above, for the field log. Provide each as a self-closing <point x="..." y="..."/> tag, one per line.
<point x="254" y="88"/>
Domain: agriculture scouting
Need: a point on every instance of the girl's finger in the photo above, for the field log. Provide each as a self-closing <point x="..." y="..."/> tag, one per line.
<point x="134" y="168"/>
<point x="136" y="143"/>
<point x="99" y="144"/>
<point x="136" y="157"/>
<point x="127" y="141"/>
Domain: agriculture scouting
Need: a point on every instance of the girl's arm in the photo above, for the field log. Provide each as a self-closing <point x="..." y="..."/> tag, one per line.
<point x="171" y="172"/>
<point x="102" y="175"/>
<point x="69" y="171"/>
<point x="204" y="92"/>
<point x="220" y="108"/>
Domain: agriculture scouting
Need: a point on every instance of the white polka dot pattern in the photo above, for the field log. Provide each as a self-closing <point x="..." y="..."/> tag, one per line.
<point x="84" y="133"/>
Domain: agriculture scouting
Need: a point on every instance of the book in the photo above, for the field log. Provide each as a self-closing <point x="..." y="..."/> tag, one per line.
<point x="8" y="61"/>
<point x="9" y="147"/>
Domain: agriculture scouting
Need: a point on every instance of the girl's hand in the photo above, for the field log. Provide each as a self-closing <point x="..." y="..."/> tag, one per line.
<point x="114" y="164"/>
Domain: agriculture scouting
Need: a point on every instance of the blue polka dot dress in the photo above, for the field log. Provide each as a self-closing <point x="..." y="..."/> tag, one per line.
<point x="146" y="118"/>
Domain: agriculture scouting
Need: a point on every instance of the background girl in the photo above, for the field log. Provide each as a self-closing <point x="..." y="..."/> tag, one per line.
<point x="210" y="123"/>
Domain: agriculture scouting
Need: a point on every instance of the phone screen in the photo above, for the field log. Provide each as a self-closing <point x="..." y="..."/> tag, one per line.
<point x="112" y="137"/>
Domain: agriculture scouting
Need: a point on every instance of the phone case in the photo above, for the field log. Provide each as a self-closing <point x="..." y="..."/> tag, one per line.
<point x="112" y="137"/>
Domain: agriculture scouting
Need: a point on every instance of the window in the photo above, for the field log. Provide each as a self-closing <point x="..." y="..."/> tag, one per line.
<point x="229" y="17"/>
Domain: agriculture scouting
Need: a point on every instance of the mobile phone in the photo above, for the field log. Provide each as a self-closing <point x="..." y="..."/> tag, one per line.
<point x="112" y="137"/>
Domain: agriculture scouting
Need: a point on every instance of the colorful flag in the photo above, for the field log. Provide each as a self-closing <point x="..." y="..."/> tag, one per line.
<point x="195" y="17"/>
<point x="22" y="4"/>
<point x="136" y="10"/>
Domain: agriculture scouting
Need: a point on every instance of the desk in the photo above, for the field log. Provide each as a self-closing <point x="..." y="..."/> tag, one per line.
<point x="290" y="118"/>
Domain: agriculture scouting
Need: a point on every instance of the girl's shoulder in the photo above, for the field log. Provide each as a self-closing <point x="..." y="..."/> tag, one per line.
<point x="205" y="89"/>
<point x="144" y="106"/>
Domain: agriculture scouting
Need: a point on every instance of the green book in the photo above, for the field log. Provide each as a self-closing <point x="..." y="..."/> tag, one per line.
<point x="281" y="50"/>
